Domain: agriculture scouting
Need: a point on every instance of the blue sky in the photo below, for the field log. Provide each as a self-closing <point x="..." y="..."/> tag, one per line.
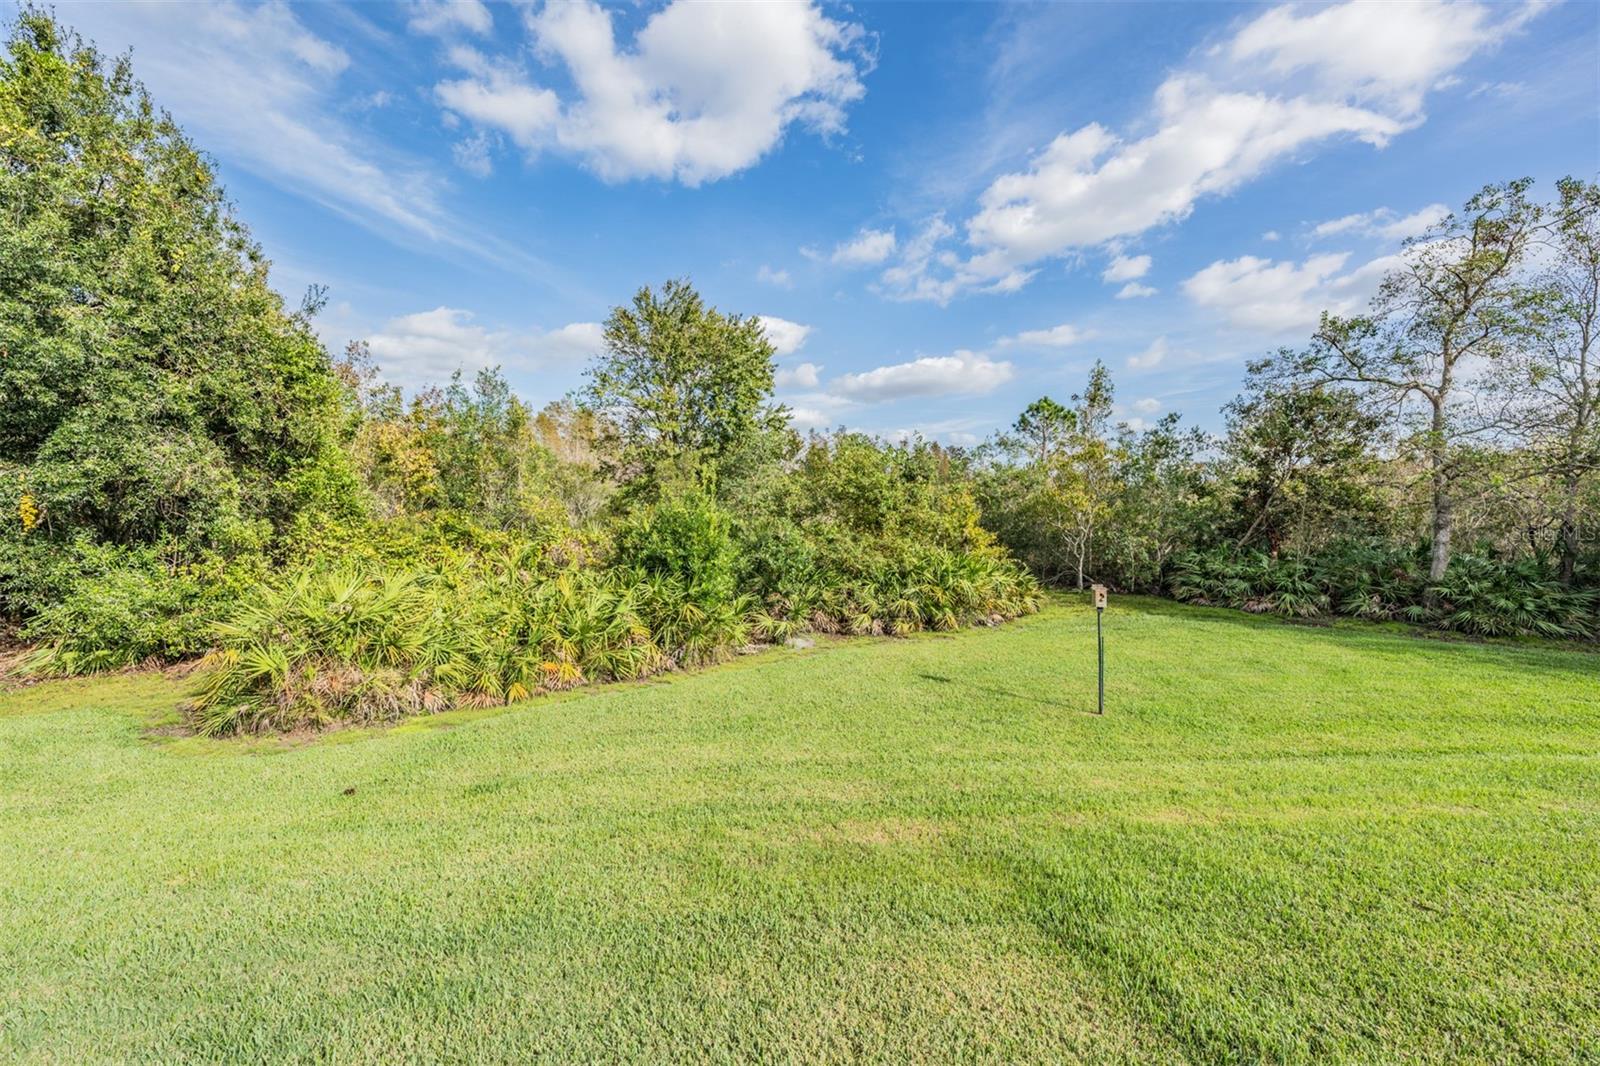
<point x="944" y="211"/>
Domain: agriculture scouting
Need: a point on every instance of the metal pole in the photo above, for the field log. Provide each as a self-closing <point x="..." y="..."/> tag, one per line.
<point x="1100" y="640"/>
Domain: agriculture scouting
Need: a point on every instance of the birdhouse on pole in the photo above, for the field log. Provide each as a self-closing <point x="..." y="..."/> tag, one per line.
<point x="1100" y="645"/>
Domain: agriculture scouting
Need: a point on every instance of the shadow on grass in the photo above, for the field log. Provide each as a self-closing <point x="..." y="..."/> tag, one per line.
<point x="991" y="690"/>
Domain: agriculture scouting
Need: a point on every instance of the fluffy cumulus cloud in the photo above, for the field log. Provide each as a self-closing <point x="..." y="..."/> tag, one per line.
<point x="867" y="248"/>
<point x="573" y="343"/>
<point x="804" y="376"/>
<point x="1385" y="56"/>
<point x="1285" y="297"/>
<point x="1383" y="223"/>
<point x="925" y="271"/>
<point x="1133" y="291"/>
<point x="703" y="90"/>
<point x="1055" y="337"/>
<point x="428" y="346"/>
<point x="777" y="278"/>
<point x="1091" y="186"/>
<point x="785" y="337"/>
<point x="964" y="373"/>
<point x="1289" y="80"/>
<point x="803" y="418"/>
<point x="1126" y="268"/>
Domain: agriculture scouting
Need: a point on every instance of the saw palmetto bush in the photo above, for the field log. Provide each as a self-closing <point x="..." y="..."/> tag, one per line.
<point x="1478" y="594"/>
<point x="1523" y="598"/>
<point x="359" y="646"/>
<point x="355" y="645"/>
<point x="1250" y="581"/>
<point x="1376" y="581"/>
<point x="896" y="593"/>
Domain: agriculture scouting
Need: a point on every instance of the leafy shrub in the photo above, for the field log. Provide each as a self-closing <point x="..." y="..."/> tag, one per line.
<point x="1477" y="595"/>
<point x="896" y="593"/>
<point x="131" y="608"/>
<point x="686" y="539"/>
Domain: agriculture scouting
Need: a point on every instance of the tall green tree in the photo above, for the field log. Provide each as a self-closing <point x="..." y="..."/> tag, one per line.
<point x="1043" y="428"/>
<point x="1056" y="486"/>
<point x="1303" y="462"/>
<point x="1550" y="383"/>
<point x="1457" y="298"/>
<point x="1088" y="484"/>
<point x="152" y="385"/>
<point x="1166" y="501"/>
<point x="683" y="392"/>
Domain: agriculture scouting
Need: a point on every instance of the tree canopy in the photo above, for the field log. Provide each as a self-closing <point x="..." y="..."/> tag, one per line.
<point x="684" y="390"/>
<point x="152" y="385"/>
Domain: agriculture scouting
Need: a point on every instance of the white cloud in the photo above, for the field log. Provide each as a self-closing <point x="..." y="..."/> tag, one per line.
<point x="779" y="278"/>
<point x="1384" y="223"/>
<point x="909" y="279"/>
<point x="1055" y="337"/>
<point x="1289" y="80"/>
<point x="1384" y="55"/>
<point x="1133" y="291"/>
<point x="1010" y="281"/>
<point x="804" y="376"/>
<point x="472" y="155"/>
<point x="496" y="98"/>
<point x="786" y="337"/>
<point x="956" y="431"/>
<point x="1501" y="89"/>
<point x="1150" y="357"/>
<point x="964" y="373"/>
<point x="867" y="248"/>
<point x="428" y="346"/>
<point x="704" y="91"/>
<point x="1341" y="225"/>
<point x="1259" y="294"/>
<point x="257" y="87"/>
<point x="1270" y="235"/>
<point x="1090" y="186"/>
<point x="1415" y="224"/>
<point x="574" y="342"/>
<point x="1125" y="268"/>
<point x="1147" y="406"/>
<point x="442" y="17"/>
<point x="810" y="418"/>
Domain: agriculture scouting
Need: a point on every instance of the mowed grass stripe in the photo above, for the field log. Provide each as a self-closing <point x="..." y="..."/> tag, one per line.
<point x="1282" y="843"/>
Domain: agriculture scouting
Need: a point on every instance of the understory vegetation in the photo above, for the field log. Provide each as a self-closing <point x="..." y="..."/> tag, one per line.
<point x="186" y="472"/>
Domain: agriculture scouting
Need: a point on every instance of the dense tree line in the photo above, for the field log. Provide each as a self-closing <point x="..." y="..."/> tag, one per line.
<point x="184" y="468"/>
<point x="1433" y="458"/>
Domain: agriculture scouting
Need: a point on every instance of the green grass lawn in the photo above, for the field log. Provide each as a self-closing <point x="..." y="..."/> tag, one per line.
<point x="1282" y="843"/>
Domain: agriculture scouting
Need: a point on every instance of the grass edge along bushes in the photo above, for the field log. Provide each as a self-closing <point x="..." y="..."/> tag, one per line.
<point x="352" y="646"/>
<point x="1478" y="595"/>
